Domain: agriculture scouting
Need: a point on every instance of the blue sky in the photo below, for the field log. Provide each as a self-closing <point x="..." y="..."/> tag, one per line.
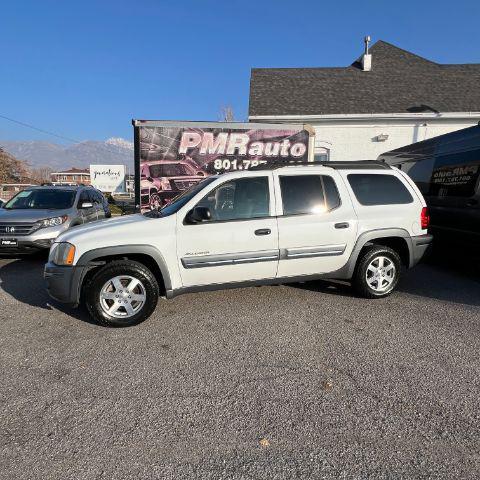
<point x="83" y="69"/>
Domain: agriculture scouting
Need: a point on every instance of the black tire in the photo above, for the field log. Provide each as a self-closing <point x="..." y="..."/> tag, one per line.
<point x="369" y="256"/>
<point x="118" y="268"/>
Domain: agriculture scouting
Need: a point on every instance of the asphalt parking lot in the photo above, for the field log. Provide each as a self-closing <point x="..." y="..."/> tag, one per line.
<point x="294" y="381"/>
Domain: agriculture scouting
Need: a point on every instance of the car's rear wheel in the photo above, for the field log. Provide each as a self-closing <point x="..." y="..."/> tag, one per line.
<point x="377" y="272"/>
<point x="121" y="294"/>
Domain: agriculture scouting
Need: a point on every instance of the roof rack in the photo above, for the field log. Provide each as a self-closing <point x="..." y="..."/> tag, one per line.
<point x="350" y="165"/>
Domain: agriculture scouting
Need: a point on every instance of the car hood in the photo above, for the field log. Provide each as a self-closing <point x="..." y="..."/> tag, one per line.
<point x="28" y="215"/>
<point x="98" y="228"/>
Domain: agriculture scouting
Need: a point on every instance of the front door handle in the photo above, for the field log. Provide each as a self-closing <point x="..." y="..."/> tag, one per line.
<point x="263" y="231"/>
<point x="342" y="225"/>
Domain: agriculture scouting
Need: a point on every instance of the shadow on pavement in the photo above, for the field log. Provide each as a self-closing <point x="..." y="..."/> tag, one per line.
<point x="441" y="278"/>
<point x="325" y="286"/>
<point x="22" y="278"/>
<point x="446" y="275"/>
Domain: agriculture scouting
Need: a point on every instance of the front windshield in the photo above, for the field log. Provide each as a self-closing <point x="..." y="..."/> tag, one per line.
<point x="168" y="170"/>
<point x="180" y="200"/>
<point x="41" y="199"/>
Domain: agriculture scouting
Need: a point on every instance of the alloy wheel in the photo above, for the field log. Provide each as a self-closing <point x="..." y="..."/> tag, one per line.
<point x="122" y="296"/>
<point x="380" y="274"/>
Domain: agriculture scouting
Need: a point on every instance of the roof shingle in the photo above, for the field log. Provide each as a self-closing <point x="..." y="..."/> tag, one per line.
<point x="399" y="82"/>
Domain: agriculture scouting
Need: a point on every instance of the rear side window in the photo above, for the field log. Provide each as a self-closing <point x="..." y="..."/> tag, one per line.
<point x="303" y="194"/>
<point x="373" y="189"/>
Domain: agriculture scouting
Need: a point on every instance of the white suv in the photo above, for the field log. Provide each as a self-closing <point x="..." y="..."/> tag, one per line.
<point x="354" y="221"/>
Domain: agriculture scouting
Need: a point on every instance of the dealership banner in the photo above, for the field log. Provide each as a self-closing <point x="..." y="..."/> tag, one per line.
<point x="173" y="156"/>
<point x="108" y="178"/>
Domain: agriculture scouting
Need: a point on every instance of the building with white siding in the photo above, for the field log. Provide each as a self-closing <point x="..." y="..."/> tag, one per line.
<point x="386" y="99"/>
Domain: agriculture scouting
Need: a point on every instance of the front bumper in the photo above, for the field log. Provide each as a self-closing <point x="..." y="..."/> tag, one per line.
<point x="26" y="246"/>
<point x="64" y="283"/>
<point x="40" y="239"/>
<point x="420" y="245"/>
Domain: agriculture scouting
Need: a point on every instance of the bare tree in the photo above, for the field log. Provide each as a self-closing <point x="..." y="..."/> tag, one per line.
<point x="226" y="114"/>
<point x="41" y="174"/>
<point x="12" y="170"/>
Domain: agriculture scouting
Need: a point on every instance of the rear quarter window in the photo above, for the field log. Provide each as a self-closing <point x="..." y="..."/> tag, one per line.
<point x="378" y="189"/>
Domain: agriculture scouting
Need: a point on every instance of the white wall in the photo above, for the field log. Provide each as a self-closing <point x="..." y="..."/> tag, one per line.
<point x="357" y="141"/>
<point x="352" y="137"/>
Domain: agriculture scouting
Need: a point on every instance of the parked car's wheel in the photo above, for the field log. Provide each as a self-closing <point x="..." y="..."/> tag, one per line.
<point x="377" y="272"/>
<point x="155" y="201"/>
<point x="121" y="294"/>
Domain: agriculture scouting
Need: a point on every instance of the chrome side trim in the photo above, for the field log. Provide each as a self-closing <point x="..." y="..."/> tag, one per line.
<point x="308" y="252"/>
<point x="230" y="259"/>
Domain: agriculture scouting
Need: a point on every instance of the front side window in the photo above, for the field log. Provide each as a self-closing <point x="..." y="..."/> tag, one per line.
<point x="39" y="199"/>
<point x="98" y="197"/>
<point x="307" y="194"/>
<point x="238" y="199"/>
<point x="84" y="198"/>
<point x="377" y="189"/>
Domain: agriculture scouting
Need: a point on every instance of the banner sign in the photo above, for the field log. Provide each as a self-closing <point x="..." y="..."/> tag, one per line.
<point x="108" y="178"/>
<point x="174" y="157"/>
<point x="455" y="175"/>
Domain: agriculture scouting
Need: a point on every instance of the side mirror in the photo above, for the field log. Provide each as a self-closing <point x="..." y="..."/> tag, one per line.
<point x="198" y="215"/>
<point x="86" y="205"/>
<point x="201" y="174"/>
<point x="150" y="179"/>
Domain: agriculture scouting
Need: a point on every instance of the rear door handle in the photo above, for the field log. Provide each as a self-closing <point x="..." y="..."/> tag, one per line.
<point x="342" y="225"/>
<point x="263" y="231"/>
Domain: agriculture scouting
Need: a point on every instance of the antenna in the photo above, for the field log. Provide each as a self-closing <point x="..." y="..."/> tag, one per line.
<point x="367" y="41"/>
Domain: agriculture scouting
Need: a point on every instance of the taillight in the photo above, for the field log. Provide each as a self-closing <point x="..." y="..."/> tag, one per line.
<point x="424" y="218"/>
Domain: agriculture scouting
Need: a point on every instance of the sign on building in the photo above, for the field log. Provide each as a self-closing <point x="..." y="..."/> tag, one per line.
<point x="172" y="156"/>
<point x="108" y="178"/>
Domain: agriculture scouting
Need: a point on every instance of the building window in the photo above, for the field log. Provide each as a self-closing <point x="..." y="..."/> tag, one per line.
<point x="322" y="154"/>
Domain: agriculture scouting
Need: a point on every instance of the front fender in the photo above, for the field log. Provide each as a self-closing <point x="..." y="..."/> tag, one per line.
<point x="99" y="253"/>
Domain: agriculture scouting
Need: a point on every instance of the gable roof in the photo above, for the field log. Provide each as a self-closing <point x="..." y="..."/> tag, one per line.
<point x="399" y="82"/>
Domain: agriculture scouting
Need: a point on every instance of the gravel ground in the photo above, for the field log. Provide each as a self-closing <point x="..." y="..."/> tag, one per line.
<point x="295" y="381"/>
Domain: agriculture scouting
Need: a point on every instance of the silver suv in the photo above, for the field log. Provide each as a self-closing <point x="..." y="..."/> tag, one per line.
<point x="33" y="218"/>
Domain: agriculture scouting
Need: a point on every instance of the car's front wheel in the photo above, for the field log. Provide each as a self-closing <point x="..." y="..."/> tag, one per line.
<point x="377" y="272"/>
<point x="121" y="294"/>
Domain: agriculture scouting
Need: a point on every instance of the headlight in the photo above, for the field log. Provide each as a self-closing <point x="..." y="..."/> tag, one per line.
<point x="62" y="253"/>
<point x="51" y="222"/>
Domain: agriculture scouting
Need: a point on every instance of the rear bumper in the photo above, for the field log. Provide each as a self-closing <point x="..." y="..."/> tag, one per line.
<point x="64" y="283"/>
<point x="420" y="245"/>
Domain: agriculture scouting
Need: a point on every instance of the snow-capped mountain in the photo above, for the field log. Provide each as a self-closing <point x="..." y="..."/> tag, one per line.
<point x="120" y="142"/>
<point x="80" y="155"/>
